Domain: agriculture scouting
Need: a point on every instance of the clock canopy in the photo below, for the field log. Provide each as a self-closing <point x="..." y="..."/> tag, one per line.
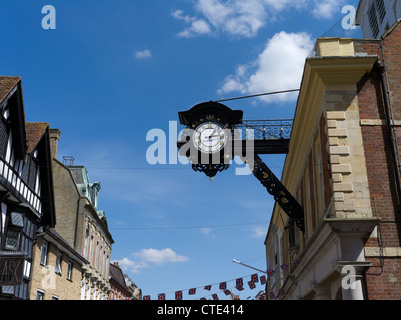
<point x="210" y="111"/>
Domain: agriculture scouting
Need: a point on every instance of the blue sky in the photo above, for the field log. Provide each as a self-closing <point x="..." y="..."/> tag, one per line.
<point x="113" y="70"/>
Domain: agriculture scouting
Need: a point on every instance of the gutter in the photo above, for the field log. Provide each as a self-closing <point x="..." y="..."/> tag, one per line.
<point x="62" y="244"/>
<point x="390" y="123"/>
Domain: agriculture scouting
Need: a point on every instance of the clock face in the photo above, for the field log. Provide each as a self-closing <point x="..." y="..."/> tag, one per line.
<point x="210" y="137"/>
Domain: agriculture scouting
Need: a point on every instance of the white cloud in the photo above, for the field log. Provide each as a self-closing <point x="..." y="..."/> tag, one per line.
<point x="208" y="232"/>
<point x="235" y="17"/>
<point x="282" y="4"/>
<point x="146" y="257"/>
<point x="133" y="266"/>
<point x="160" y="257"/>
<point x="178" y="14"/>
<point x="245" y="18"/>
<point x="205" y="230"/>
<point x="197" y="26"/>
<point x="258" y="232"/>
<point x="145" y="54"/>
<point x="326" y="9"/>
<point x="279" y="67"/>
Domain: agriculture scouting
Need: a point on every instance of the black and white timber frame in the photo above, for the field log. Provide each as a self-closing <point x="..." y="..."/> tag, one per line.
<point x="26" y="189"/>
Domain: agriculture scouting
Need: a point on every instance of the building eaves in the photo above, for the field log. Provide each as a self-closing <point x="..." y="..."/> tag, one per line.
<point x="52" y="236"/>
<point x="67" y="169"/>
<point x="117" y="276"/>
<point x="34" y="132"/>
<point x="391" y="29"/>
<point x="6" y="85"/>
<point x="11" y="93"/>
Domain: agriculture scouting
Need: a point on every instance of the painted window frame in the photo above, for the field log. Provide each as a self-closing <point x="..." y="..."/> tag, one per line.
<point x="44" y="253"/>
<point x="59" y="262"/>
<point x="70" y="266"/>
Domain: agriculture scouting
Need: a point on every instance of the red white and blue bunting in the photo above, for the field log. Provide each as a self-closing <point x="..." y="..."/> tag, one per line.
<point x="239" y="285"/>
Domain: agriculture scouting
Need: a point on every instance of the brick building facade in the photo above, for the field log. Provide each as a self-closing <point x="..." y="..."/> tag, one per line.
<point x="343" y="168"/>
<point x="118" y="285"/>
<point x="56" y="270"/>
<point x="380" y="114"/>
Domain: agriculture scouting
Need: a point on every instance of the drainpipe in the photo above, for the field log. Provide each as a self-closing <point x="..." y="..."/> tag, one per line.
<point x="390" y="122"/>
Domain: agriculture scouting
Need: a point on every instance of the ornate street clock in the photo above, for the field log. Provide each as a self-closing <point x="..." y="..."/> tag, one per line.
<point x="210" y="141"/>
<point x="209" y="134"/>
<point x="210" y="137"/>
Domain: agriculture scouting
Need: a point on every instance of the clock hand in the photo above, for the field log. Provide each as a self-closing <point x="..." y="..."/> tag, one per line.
<point x="211" y="135"/>
<point x="210" y="138"/>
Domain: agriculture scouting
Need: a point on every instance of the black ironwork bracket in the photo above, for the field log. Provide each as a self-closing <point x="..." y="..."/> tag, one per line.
<point x="266" y="129"/>
<point x="262" y="172"/>
<point x="210" y="169"/>
<point x="256" y="137"/>
<point x="279" y="146"/>
<point x="281" y="195"/>
<point x="269" y="136"/>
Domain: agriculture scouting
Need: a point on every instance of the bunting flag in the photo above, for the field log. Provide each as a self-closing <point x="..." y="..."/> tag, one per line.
<point x="178" y="295"/>
<point x="284" y="267"/>
<point x="239" y="285"/>
<point x="251" y="285"/>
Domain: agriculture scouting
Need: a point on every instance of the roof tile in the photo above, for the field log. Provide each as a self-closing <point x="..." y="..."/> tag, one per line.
<point x="34" y="131"/>
<point x="6" y="85"/>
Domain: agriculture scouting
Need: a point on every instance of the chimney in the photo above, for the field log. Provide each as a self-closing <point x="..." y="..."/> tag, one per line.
<point x="54" y="138"/>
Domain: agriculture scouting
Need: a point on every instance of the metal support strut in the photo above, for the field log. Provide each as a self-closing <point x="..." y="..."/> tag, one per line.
<point x="281" y="195"/>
